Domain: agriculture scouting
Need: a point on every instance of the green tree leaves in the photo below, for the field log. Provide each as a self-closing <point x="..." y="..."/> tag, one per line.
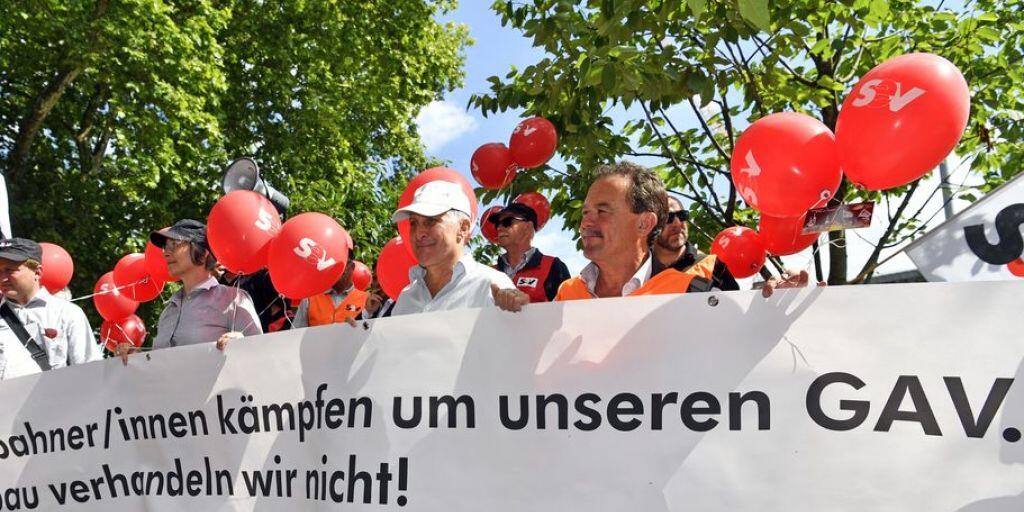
<point x="137" y="106"/>
<point x="689" y="76"/>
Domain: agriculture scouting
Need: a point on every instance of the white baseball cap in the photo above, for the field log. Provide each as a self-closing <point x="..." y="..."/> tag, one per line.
<point x="433" y="199"/>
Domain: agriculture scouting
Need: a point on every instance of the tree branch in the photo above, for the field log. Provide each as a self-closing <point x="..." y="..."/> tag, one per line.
<point x="872" y="263"/>
<point x="707" y="129"/>
<point x="678" y="167"/>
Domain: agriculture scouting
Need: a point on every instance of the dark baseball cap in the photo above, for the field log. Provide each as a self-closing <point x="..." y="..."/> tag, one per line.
<point x="186" y="230"/>
<point x="519" y="210"/>
<point x="20" y="249"/>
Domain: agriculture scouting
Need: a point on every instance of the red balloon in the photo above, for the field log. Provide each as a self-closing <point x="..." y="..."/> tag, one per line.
<point x="156" y="265"/>
<point x="127" y="330"/>
<point x="240" y="228"/>
<point x="901" y="120"/>
<point x="58" y="267"/>
<point x="533" y="142"/>
<point x="489" y="230"/>
<point x="539" y="204"/>
<point x="492" y="166"/>
<point x="134" y="280"/>
<point x="781" y="235"/>
<point x="393" y="267"/>
<point x="785" y="164"/>
<point x="111" y="303"/>
<point x="1016" y="267"/>
<point x="361" y="276"/>
<point x="741" y="249"/>
<point x="308" y="255"/>
<point x="432" y="174"/>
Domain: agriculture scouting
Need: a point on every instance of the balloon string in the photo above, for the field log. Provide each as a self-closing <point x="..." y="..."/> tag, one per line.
<point x="111" y="290"/>
<point x="234" y="303"/>
<point x="140" y="347"/>
<point x="837" y="243"/>
<point x="284" y="302"/>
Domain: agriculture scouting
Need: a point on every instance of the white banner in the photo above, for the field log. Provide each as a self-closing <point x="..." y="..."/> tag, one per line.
<point x="884" y="397"/>
<point x="982" y="243"/>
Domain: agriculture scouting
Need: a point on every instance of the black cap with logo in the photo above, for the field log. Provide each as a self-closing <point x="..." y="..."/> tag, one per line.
<point x="20" y="249"/>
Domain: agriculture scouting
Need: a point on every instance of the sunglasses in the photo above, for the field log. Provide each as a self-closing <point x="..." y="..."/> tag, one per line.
<point x="681" y="216"/>
<point x="506" y="222"/>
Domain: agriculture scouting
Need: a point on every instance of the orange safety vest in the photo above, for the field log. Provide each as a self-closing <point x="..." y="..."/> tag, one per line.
<point x="323" y="312"/>
<point x="670" y="280"/>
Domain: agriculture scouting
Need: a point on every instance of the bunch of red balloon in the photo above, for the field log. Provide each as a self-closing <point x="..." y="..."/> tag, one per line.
<point x="532" y="144"/>
<point x="305" y="255"/>
<point x="494" y="166"/>
<point x="137" y="277"/>
<point x="900" y="121"/>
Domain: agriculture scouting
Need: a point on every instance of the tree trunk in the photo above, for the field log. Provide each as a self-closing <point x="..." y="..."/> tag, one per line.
<point x="44" y="102"/>
<point x="33" y="121"/>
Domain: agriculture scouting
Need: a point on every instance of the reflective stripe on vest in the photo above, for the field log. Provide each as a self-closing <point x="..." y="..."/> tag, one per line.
<point x="323" y="312"/>
<point x="667" y="281"/>
<point x="531" y="280"/>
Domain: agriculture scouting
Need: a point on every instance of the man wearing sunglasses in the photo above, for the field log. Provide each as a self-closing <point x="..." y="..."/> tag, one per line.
<point x="535" y="274"/>
<point x="674" y="249"/>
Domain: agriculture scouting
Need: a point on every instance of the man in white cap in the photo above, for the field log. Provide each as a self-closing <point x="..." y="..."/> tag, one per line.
<point x="440" y="221"/>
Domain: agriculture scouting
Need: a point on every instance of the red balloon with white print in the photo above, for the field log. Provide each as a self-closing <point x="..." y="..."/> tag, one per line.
<point x="130" y="329"/>
<point x="785" y="164"/>
<point x="111" y="302"/>
<point x="492" y="166"/>
<point x="308" y="256"/>
<point x="132" y="276"/>
<point x="239" y="228"/>
<point x="533" y="142"/>
<point x="741" y="250"/>
<point x="901" y="120"/>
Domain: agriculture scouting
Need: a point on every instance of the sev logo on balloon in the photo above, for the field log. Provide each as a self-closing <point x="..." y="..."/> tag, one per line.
<point x="886" y="90"/>
<point x="314" y="254"/>
<point x="263" y="220"/>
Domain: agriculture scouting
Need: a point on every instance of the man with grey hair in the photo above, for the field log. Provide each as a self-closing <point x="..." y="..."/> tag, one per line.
<point x="446" y="277"/>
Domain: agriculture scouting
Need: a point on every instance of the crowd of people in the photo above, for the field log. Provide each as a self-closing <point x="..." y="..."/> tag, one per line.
<point x="633" y="233"/>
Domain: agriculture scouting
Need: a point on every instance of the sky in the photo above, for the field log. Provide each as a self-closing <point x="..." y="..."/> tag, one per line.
<point x="451" y="133"/>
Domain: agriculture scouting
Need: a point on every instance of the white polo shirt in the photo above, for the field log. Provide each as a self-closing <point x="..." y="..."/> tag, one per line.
<point x="470" y="287"/>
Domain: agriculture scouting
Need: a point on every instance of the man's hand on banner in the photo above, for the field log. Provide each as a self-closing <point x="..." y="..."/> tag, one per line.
<point x="123" y="349"/>
<point x="789" y="279"/>
<point x="373" y="304"/>
<point x="509" y="299"/>
<point x="226" y="337"/>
